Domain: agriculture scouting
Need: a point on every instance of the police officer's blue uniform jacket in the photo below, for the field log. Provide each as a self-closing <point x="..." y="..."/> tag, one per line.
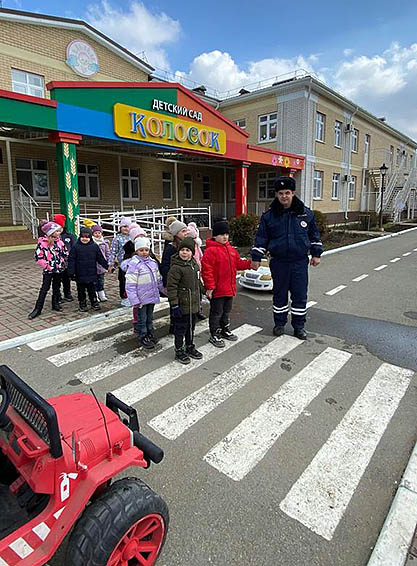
<point x="287" y="234"/>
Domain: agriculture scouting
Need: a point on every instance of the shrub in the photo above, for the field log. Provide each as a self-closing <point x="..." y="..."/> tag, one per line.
<point x="243" y="228"/>
<point x="321" y="221"/>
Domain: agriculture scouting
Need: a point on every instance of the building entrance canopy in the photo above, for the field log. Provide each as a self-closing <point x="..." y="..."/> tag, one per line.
<point x="159" y="116"/>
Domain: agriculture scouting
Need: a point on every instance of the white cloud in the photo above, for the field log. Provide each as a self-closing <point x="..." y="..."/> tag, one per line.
<point x="218" y="70"/>
<point x="137" y="29"/>
<point x="347" y="52"/>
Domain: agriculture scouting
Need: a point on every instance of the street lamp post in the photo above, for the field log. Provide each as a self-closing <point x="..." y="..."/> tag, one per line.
<point x="383" y="170"/>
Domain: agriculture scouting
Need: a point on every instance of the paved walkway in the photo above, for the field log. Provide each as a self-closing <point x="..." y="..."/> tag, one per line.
<point x="20" y="279"/>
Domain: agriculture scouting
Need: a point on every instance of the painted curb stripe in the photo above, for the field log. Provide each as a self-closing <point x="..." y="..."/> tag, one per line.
<point x="320" y="496"/>
<point x="242" y="449"/>
<point x="177" y="419"/>
<point x="144" y="386"/>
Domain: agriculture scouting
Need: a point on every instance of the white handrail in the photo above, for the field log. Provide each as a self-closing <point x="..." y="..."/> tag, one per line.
<point x="25" y="206"/>
<point x="403" y="195"/>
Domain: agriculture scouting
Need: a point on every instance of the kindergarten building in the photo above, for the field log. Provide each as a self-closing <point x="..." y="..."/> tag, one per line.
<point x="84" y="123"/>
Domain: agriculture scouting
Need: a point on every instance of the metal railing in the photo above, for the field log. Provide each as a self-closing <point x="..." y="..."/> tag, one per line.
<point x="152" y="220"/>
<point x="25" y="207"/>
<point x="389" y="195"/>
<point x="404" y="194"/>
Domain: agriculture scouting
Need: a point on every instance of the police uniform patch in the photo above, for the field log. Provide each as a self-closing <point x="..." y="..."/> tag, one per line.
<point x="303" y="224"/>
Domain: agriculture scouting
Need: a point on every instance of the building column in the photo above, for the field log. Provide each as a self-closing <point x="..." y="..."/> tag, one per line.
<point x="67" y="177"/>
<point x="241" y="189"/>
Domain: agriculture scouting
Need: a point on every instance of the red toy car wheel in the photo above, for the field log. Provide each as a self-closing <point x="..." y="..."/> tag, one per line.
<point x="141" y="542"/>
<point x="125" y="526"/>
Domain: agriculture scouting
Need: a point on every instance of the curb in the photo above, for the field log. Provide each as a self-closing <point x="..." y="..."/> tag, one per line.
<point x="365" y="242"/>
<point x="397" y="532"/>
<point x="65" y="327"/>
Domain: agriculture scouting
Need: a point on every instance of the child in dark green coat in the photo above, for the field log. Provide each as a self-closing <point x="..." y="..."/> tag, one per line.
<point x="183" y="289"/>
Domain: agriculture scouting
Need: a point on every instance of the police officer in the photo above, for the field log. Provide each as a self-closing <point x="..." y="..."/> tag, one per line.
<point x="288" y="231"/>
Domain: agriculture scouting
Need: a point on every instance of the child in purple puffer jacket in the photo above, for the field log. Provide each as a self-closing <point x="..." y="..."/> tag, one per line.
<point x="143" y="284"/>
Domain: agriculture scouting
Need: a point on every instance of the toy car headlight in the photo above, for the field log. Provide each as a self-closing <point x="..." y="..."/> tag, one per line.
<point x="265" y="277"/>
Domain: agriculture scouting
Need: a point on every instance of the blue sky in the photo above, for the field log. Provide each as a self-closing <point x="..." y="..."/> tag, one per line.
<point x="367" y="50"/>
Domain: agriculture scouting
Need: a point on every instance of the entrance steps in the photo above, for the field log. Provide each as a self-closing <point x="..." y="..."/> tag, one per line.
<point x="15" y="237"/>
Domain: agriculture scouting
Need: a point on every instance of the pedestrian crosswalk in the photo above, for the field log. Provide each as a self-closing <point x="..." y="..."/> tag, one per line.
<point x="319" y="497"/>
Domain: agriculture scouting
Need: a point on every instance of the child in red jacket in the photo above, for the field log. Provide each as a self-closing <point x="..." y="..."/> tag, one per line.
<point x="218" y="267"/>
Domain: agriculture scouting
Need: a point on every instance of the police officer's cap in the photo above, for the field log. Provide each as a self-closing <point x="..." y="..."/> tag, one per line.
<point x="284" y="183"/>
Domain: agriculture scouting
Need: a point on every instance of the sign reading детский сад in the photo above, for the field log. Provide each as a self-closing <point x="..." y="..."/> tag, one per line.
<point x="151" y="127"/>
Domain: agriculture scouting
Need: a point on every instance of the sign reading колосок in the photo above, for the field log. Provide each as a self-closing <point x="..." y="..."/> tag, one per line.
<point x="142" y="125"/>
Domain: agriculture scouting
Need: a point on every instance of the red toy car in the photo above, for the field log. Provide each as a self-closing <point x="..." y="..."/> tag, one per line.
<point x="57" y="460"/>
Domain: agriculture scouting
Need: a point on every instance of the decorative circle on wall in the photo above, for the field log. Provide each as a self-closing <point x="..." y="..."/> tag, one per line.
<point x="82" y="58"/>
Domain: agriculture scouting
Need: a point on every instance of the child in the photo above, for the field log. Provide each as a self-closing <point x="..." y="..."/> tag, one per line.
<point x="51" y="254"/>
<point x="103" y="244"/>
<point x="219" y="267"/>
<point x="69" y="241"/>
<point x="116" y="256"/>
<point x="143" y="284"/>
<point x="193" y="232"/>
<point x="183" y="291"/>
<point x="82" y="264"/>
<point x="175" y="233"/>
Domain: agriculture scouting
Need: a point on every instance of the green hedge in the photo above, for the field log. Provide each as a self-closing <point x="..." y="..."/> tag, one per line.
<point x="242" y="229"/>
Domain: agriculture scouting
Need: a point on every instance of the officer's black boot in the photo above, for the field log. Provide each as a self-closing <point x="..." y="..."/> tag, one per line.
<point x="300" y="333"/>
<point x="278" y="330"/>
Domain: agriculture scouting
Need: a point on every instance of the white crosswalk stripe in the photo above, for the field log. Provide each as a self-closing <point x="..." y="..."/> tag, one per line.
<point x="178" y="418"/>
<point x="91" y="348"/>
<point x="123" y="361"/>
<point x="85" y="331"/>
<point x="241" y="450"/>
<point x="320" y="496"/>
<point x="146" y="385"/>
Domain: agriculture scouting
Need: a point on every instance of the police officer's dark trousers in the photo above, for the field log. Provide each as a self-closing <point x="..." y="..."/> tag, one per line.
<point x="290" y="277"/>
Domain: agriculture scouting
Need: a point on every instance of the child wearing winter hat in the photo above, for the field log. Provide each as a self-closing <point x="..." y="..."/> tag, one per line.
<point x="69" y="241"/>
<point x="82" y="264"/>
<point x="193" y="232"/>
<point x="51" y="254"/>
<point x="103" y="244"/>
<point x="220" y="264"/>
<point x="175" y="233"/>
<point x="116" y="256"/>
<point x="143" y="285"/>
<point x="184" y="289"/>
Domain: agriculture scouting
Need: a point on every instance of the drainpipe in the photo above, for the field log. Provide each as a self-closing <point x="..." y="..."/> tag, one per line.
<point x="10" y="172"/>
<point x="306" y="148"/>
<point x="349" y="164"/>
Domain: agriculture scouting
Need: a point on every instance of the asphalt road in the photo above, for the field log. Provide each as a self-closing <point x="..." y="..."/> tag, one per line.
<point x="278" y="452"/>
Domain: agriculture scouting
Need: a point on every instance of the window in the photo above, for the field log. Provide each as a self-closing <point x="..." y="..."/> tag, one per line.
<point x="88" y="187"/>
<point x="206" y="188"/>
<point x="166" y="185"/>
<point x="352" y="188"/>
<point x="335" y="186"/>
<point x="241" y="123"/>
<point x="188" y="186"/>
<point x="367" y="149"/>
<point x="32" y="174"/>
<point x="317" y="185"/>
<point x="268" y="127"/>
<point x="338" y="134"/>
<point x="320" y="126"/>
<point x="266" y="185"/>
<point x="131" y="184"/>
<point x="28" y="83"/>
<point x="391" y="154"/>
<point x="354" y="140"/>
<point x="232" y="188"/>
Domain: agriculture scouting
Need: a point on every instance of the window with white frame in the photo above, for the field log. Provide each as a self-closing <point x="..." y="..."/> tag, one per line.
<point x="88" y="185"/>
<point x="354" y="140"/>
<point x="391" y="154"/>
<point x="167" y="185"/>
<point x="188" y="186"/>
<point x="320" y="126"/>
<point x="28" y="83"/>
<point x="241" y="123"/>
<point x="367" y="150"/>
<point x="268" y="127"/>
<point x="398" y="155"/>
<point x="352" y="188"/>
<point x="335" y="186"/>
<point x="266" y="185"/>
<point x="32" y="174"/>
<point x="131" y="184"/>
<point x="317" y="185"/>
<point x="338" y="133"/>
<point x="206" y="188"/>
